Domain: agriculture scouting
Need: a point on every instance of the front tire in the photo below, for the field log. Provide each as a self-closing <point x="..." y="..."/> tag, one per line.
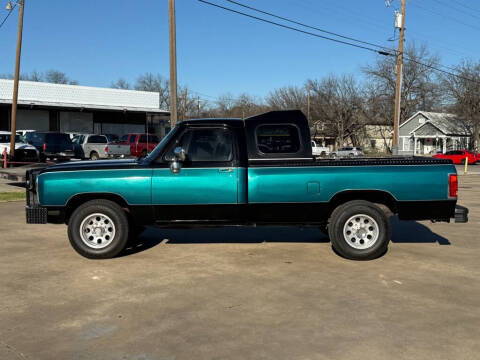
<point x="98" y="229"/>
<point x="359" y="230"/>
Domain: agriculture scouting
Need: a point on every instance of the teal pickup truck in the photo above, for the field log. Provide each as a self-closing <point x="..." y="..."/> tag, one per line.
<point x="256" y="171"/>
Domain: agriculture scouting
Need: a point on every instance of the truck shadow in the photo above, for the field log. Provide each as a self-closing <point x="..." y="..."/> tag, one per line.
<point x="402" y="232"/>
<point x="414" y="232"/>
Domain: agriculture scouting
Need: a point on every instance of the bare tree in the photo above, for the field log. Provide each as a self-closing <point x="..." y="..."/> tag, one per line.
<point x="151" y="82"/>
<point x="463" y="93"/>
<point x="58" y="77"/>
<point x="289" y="97"/>
<point x="121" y="84"/>
<point x="420" y="89"/>
<point x="337" y="102"/>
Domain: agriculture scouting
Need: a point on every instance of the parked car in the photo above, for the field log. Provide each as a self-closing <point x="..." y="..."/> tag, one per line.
<point x="23" y="151"/>
<point x="212" y="172"/>
<point x="459" y="156"/>
<point x="140" y="144"/>
<point x="94" y="147"/>
<point x="319" y="150"/>
<point x="51" y="145"/>
<point x="348" y="151"/>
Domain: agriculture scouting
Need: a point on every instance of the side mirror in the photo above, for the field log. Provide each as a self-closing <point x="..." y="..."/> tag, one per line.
<point x="179" y="157"/>
<point x="180" y="154"/>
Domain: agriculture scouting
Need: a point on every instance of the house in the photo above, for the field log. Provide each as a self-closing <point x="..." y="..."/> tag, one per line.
<point x="82" y="109"/>
<point x="431" y="132"/>
<point x="376" y="138"/>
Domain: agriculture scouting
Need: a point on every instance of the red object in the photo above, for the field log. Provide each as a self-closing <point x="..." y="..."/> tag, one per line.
<point x="459" y="156"/>
<point x="106" y="149"/>
<point x="44" y="146"/>
<point x="452" y="185"/>
<point x="139" y="144"/>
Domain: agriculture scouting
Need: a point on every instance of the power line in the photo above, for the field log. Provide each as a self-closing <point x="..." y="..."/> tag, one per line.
<point x="295" y="29"/>
<point x="466" y="12"/>
<point x="446" y="17"/>
<point x="6" y="17"/>
<point x="465" y="6"/>
<point x="307" y="26"/>
<point x="407" y="58"/>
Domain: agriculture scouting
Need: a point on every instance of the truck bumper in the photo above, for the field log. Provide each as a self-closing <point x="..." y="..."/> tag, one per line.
<point x="36" y="215"/>
<point x="461" y="214"/>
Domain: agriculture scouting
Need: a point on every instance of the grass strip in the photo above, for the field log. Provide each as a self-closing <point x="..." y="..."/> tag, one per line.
<point x="12" y="196"/>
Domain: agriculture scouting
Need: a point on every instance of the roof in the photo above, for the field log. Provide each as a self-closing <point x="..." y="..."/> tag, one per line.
<point x="449" y="124"/>
<point x="80" y="97"/>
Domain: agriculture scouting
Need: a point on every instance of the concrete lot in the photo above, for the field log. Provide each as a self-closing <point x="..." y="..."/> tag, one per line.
<point x="266" y="293"/>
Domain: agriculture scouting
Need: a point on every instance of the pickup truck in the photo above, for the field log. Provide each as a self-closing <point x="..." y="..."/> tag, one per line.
<point x="319" y="150"/>
<point x="94" y="147"/>
<point x="140" y="144"/>
<point x="256" y="171"/>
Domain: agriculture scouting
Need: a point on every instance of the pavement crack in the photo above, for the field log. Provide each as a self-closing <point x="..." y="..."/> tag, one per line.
<point x="13" y="350"/>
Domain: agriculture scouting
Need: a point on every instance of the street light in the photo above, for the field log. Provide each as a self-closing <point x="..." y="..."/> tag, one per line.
<point x="9" y="7"/>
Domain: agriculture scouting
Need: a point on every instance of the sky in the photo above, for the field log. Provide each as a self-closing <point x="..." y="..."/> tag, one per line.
<point x="97" y="42"/>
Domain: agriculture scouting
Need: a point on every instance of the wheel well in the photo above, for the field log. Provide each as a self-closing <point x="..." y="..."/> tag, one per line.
<point x="93" y="152"/>
<point x="374" y="196"/>
<point x="77" y="200"/>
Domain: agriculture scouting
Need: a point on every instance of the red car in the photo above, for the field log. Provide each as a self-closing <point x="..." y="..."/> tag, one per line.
<point x="459" y="156"/>
<point x="140" y="144"/>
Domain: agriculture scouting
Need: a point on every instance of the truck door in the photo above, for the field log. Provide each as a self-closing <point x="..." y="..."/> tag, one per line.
<point x="205" y="188"/>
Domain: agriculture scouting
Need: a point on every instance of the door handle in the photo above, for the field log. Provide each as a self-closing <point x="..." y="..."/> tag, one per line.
<point x="225" y="170"/>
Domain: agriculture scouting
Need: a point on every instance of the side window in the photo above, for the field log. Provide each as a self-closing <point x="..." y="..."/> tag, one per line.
<point x="143" y="139"/>
<point x="132" y="139"/>
<point x="278" y="139"/>
<point x="124" y="138"/>
<point x="214" y="144"/>
<point x="97" y="139"/>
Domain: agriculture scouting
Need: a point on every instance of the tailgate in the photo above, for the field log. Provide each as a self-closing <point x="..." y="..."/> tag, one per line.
<point x="118" y="149"/>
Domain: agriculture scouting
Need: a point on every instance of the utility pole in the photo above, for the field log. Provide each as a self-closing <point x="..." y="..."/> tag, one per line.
<point x="173" y="63"/>
<point x="398" y="85"/>
<point x="15" y="81"/>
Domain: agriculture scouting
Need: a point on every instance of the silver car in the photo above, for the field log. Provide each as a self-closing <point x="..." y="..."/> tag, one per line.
<point x="348" y="151"/>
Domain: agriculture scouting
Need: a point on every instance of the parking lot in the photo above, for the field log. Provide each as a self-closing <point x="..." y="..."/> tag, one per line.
<point x="242" y="293"/>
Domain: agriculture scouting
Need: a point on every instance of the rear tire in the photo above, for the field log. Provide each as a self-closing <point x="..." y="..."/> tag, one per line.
<point x="144" y="153"/>
<point x="94" y="155"/>
<point x="359" y="230"/>
<point x="98" y="229"/>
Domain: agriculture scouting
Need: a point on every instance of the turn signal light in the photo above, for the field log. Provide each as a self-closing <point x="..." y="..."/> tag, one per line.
<point x="44" y="146"/>
<point x="452" y="185"/>
<point x="106" y="149"/>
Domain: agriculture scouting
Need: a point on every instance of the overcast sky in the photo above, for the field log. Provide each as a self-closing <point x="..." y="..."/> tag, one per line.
<point x="96" y="42"/>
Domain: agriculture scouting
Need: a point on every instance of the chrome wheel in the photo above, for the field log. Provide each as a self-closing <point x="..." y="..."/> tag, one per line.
<point x="97" y="231"/>
<point x="360" y="231"/>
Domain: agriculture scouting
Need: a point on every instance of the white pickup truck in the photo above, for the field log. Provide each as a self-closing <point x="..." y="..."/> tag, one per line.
<point x="318" y="151"/>
<point x="94" y="147"/>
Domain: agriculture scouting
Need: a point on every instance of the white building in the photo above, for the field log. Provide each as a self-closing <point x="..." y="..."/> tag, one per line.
<point x="83" y="109"/>
<point x="430" y="132"/>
